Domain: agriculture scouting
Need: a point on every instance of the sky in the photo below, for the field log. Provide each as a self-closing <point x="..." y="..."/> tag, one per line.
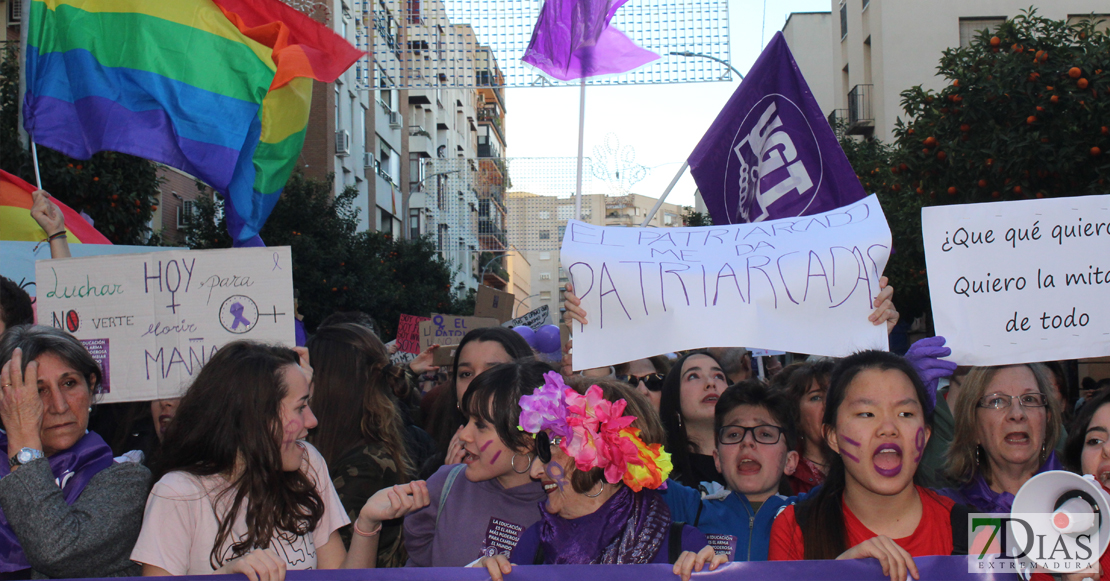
<point x="662" y="122"/>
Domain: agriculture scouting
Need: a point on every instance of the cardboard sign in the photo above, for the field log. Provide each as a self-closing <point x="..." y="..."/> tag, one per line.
<point x="1018" y="282"/>
<point x="408" y="333"/>
<point x="800" y="284"/>
<point x="450" y="329"/>
<point x="494" y="303"/>
<point x="444" y="356"/>
<point x="534" y="319"/>
<point x="155" y="319"/>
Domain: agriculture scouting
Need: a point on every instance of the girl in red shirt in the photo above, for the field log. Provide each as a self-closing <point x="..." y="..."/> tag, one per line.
<point x="877" y="426"/>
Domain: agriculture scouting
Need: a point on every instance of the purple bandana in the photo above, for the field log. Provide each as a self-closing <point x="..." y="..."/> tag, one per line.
<point x="72" y="468"/>
<point x="628" y="529"/>
<point x="979" y="496"/>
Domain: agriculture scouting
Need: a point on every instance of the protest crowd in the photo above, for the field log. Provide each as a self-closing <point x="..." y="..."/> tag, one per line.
<point x="331" y="456"/>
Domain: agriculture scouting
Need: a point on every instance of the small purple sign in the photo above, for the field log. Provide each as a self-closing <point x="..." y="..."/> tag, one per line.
<point x="98" y="348"/>
<point x="723" y="545"/>
<point x="501" y="537"/>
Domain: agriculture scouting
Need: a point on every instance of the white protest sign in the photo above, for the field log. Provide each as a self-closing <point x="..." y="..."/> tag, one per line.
<point x="1024" y="281"/>
<point x="799" y="284"/>
<point x="533" y="319"/>
<point x="153" y="320"/>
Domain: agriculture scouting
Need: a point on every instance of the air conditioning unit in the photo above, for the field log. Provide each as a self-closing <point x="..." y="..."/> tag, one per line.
<point x="394" y="120"/>
<point x="368" y="159"/>
<point x="342" y="143"/>
<point x="15" y="12"/>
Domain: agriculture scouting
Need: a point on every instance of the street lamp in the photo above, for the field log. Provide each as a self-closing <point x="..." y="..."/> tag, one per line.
<point x="503" y="254"/>
<point x="520" y="302"/>
<point x="420" y="184"/>
<point x="688" y="54"/>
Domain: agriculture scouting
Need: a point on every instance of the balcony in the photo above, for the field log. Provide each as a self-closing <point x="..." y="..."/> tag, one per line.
<point x="838" y="120"/>
<point x="861" y="119"/>
<point x="420" y="141"/>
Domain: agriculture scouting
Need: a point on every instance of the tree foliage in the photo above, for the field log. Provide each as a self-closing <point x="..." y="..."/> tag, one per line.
<point x="338" y="268"/>
<point x="1024" y="114"/>
<point x="118" y="191"/>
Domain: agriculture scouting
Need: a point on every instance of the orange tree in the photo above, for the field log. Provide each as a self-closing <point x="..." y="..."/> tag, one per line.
<point x="1025" y="113"/>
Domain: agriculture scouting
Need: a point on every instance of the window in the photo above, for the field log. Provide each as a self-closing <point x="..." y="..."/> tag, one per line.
<point x="545" y="295"/>
<point x="668" y="219"/>
<point x="969" y="27"/>
<point x="414" y="223"/>
<point x="566" y="212"/>
<point x="843" y="20"/>
<point x="545" y="215"/>
<point x="387" y="223"/>
<point x="545" y="276"/>
<point x="185" y="213"/>
<point x="545" y="234"/>
<point x="562" y="230"/>
<point x="545" y="256"/>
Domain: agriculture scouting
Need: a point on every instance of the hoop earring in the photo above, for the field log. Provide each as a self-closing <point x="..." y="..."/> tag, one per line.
<point x="598" y="492"/>
<point x="527" y="466"/>
<point x="978" y="448"/>
<point x="679" y="415"/>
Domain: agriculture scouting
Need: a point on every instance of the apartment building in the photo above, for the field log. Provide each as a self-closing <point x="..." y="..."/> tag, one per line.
<point x="880" y="48"/>
<point x="536" y="225"/>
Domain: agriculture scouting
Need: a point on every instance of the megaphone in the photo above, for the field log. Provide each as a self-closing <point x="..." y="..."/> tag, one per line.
<point x="1059" y="503"/>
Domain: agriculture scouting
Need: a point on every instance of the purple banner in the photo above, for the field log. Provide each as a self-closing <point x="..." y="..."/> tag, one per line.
<point x="770" y="153"/>
<point x="931" y="568"/>
<point x="572" y="39"/>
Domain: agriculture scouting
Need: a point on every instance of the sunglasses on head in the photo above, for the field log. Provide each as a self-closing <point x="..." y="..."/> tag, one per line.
<point x="653" y="381"/>
<point x="543" y="446"/>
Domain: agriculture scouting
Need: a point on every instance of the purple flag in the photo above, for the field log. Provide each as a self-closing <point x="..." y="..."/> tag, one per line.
<point x="770" y="153"/>
<point x="573" y="39"/>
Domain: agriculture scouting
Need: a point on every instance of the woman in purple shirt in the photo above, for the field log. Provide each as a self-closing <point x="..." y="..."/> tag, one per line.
<point x="599" y="477"/>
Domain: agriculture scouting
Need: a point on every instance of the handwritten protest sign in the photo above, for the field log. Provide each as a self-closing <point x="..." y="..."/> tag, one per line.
<point x="799" y="284"/>
<point x="17" y="259"/>
<point x="534" y="319"/>
<point x="408" y="333"/>
<point x="1015" y="282"/>
<point x="155" y="319"/>
<point x="494" y="303"/>
<point x="450" y="329"/>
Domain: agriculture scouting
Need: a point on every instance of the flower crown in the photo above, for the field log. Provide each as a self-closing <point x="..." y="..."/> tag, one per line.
<point x="595" y="433"/>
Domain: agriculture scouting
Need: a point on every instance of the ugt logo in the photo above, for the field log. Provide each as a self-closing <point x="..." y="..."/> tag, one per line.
<point x="1014" y="542"/>
<point x="778" y="155"/>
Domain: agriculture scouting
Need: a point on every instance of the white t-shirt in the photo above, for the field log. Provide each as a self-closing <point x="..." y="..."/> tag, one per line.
<point x="180" y="522"/>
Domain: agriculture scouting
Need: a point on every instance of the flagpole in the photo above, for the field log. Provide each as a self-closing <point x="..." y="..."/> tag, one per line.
<point x="35" y="158"/>
<point x="667" y="192"/>
<point x="581" y="145"/>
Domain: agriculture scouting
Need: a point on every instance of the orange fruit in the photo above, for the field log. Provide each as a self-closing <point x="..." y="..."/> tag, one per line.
<point x="956" y="83"/>
<point x="995" y="41"/>
<point x="965" y="128"/>
<point x="941" y="155"/>
<point x="952" y="190"/>
<point x="982" y="183"/>
<point x="990" y="161"/>
<point x="1017" y="189"/>
<point x="1054" y="99"/>
<point x="1039" y="108"/>
<point x="1074" y="72"/>
<point x="1105" y="130"/>
<point x="995" y="194"/>
<point x="1042" y="56"/>
<point x="930" y="141"/>
<point x="1095" y="151"/>
<point x="920" y="190"/>
<point x="1031" y="119"/>
<point x="1081" y="83"/>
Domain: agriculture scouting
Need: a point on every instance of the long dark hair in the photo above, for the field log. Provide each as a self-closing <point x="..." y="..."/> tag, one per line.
<point x="230" y="414"/>
<point x="446" y="418"/>
<point x="670" y="412"/>
<point x="354" y="384"/>
<point x="1077" y="431"/>
<point x="822" y="523"/>
<point x="796" y="386"/>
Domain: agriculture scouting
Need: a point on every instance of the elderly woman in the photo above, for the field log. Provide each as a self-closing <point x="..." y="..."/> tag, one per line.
<point x="1007" y="423"/>
<point x="85" y="528"/>
<point x="600" y="476"/>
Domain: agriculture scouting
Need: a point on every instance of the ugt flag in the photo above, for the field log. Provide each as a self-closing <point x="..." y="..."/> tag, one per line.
<point x="572" y="39"/>
<point x="770" y="153"/>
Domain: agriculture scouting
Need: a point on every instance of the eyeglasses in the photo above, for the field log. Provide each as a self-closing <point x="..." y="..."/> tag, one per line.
<point x="653" y="381"/>
<point x="543" y="446"/>
<point x="1001" y="401"/>
<point x="764" y="434"/>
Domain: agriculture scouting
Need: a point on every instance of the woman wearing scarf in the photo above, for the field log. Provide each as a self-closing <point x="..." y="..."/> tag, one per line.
<point x="600" y="476"/>
<point x="1006" y="428"/>
<point x="67" y="509"/>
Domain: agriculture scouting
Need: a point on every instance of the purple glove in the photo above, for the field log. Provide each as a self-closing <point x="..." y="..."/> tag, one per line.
<point x="925" y="356"/>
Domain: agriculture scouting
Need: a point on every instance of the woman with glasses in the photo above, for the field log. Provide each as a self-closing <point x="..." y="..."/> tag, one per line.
<point x="1007" y="425"/>
<point x="646" y="375"/>
<point x="600" y="459"/>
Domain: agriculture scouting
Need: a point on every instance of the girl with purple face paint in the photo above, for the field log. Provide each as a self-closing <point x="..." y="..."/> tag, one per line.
<point x="480" y="506"/>
<point x="869" y="507"/>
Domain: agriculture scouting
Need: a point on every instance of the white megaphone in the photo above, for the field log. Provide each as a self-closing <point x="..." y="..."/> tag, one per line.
<point x="1060" y="503"/>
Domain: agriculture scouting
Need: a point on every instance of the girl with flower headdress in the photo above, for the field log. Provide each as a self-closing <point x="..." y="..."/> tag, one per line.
<point x="600" y="479"/>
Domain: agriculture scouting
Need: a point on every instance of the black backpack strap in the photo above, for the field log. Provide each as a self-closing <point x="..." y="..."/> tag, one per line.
<point x="539" y="556"/>
<point x="697" y="517"/>
<point x="960" y="514"/>
<point x="674" y="548"/>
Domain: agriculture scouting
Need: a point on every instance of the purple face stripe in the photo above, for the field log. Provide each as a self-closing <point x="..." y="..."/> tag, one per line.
<point x="495" y="457"/>
<point x="919" y="443"/>
<point x="484" y="446"/>
<point x="851" y="441"/>
<point x="849" y="456"/>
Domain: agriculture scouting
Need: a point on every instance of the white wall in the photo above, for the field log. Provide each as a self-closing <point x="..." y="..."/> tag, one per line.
<point x="807" y="35"/>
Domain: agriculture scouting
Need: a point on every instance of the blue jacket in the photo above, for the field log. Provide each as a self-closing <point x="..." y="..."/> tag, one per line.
<point x="727" y="518"/>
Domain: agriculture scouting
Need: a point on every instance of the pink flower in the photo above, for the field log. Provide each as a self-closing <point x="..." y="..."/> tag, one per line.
<point x="546" y="408"/>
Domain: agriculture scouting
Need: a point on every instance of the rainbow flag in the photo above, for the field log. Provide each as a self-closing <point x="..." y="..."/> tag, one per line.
<point x="219" y="89"/>
<point x="15" y="215"/>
